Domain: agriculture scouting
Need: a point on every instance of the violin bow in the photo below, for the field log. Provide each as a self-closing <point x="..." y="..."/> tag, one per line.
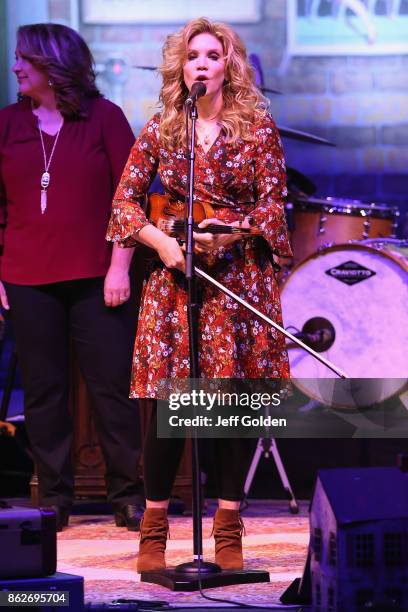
<point x="262" y="316"/>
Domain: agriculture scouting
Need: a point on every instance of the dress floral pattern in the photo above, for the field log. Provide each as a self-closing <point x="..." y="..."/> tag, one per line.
<point x="238" y="179"/>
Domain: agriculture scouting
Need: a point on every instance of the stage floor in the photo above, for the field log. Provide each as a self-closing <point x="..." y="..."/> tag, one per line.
<point x="275" y="540"/>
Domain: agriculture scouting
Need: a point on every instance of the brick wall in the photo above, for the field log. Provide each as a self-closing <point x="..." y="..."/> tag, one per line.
<point x="360" y="103"/>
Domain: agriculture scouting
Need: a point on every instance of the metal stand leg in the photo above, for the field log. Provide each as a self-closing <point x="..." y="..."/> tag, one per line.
<point x="266" y="447"/>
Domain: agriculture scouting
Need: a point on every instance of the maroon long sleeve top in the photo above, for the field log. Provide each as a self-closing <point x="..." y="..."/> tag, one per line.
<point x="67" y="241"/>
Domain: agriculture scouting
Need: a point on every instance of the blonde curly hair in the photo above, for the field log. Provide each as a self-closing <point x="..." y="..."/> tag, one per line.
<point x="243" y="103"/>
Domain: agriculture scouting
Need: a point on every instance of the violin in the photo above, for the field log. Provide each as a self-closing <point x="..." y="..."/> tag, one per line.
<point x="168" y="215"/>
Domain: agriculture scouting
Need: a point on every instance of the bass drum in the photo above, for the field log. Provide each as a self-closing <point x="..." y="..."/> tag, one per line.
<point x="358" y="295"/>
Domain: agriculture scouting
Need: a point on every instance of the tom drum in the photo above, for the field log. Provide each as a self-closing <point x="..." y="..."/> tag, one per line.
<point x="319" y="223"/>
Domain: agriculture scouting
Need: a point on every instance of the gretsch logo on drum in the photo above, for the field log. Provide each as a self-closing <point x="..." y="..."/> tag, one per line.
<point x="350" y="272"/>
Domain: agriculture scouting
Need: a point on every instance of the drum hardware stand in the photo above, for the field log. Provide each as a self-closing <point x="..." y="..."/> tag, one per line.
<point x="367" y="226"/>
<point x="395" y="219"/>
<point x="322" y="221"/>
<point x="268" y="448"/>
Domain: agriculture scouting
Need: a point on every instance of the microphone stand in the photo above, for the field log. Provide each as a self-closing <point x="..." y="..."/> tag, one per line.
<point x="197" y="574"/>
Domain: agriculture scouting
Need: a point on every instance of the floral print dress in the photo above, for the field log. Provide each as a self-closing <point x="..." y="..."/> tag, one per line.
<point x="238" y="179"/>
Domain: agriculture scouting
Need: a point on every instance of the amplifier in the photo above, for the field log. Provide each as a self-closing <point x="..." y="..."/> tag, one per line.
<point x="28" y="541"/>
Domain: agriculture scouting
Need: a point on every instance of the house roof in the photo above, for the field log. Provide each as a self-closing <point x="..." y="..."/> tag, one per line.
<point x="366" y="494"/>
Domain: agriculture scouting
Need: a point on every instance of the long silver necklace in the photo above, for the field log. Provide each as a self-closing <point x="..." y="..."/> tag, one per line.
<point x="45" y="177"/>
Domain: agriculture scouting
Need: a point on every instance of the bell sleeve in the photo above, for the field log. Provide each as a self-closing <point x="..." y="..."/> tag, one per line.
<point x="127" y="216"/>
<point x="270" y="188"/>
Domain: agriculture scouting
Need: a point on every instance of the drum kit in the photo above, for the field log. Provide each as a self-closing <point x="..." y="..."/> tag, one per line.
<point x="345" y="292"/>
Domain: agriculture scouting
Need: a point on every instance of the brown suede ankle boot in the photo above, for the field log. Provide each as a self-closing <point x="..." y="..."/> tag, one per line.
<point x="228" y="528"/>
<point x="154" y="528"/>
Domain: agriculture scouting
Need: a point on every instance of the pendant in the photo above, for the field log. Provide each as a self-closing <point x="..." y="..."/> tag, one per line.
<point x="43" y="200"/>
<point x="45" y="179"/>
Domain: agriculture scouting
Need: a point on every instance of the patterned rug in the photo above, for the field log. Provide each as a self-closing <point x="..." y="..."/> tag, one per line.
<point x="105" y="555"/>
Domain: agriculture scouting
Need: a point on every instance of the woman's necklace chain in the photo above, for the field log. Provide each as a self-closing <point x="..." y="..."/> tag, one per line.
<point x="206" y="135"/>
<point x="45" y="177"/>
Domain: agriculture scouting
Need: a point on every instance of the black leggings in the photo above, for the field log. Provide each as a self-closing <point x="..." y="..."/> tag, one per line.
<point x="162" y="456"/>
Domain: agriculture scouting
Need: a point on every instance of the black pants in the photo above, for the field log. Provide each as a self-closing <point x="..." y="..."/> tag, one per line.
<point x="44" y="318"/>
<point x="161" y="458"/>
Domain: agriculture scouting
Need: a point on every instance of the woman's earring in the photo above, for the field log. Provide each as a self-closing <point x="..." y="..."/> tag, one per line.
<point x="50" y="83"/>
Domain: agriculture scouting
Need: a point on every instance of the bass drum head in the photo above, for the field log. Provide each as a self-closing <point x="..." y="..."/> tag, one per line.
<point x="363" y="293"/>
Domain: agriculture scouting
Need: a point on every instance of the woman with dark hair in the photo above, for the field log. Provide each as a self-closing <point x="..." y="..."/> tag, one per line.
<point x="240" y="170"/>
<point x="62" y="150"/>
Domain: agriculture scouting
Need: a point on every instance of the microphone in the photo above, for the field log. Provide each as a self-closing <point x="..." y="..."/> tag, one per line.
<point x="318" y="333"/>
<point x="197" y="90"/>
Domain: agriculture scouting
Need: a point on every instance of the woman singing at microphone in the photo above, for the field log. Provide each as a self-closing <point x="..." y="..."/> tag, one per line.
<point x="240" y="170"/>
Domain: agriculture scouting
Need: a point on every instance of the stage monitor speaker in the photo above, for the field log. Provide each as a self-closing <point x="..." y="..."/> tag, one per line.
<point x="358" y="550"/>
<point x="28" y="542"/>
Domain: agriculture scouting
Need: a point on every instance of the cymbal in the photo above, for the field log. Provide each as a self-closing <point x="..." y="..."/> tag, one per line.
<point x="263" y="89"/>
<point x="303" y="136"/>
<point x="152" y="68"/>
